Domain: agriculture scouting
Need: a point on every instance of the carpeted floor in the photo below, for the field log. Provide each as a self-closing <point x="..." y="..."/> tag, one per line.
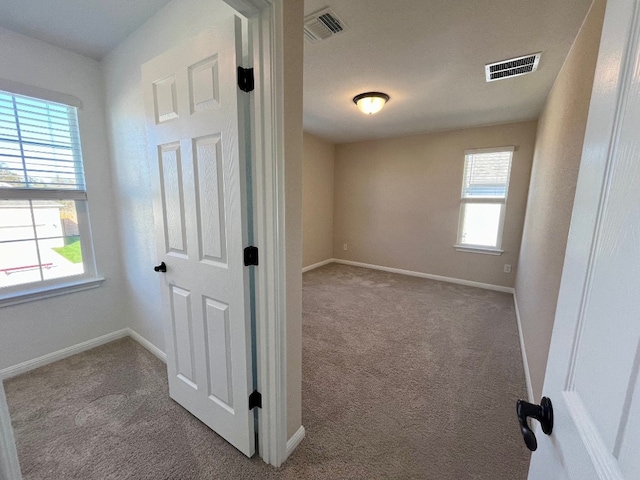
<point x="403" y="378"/>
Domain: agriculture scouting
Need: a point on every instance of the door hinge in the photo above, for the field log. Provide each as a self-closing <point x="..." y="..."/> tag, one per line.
<point x="250" y="256"/>
<point x="245" y="79"/>
<point x="255" y="400"/>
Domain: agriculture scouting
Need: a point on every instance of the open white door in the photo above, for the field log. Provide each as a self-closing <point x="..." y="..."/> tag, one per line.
<point x="195" y="134"/>
<point x="594" y="362"/>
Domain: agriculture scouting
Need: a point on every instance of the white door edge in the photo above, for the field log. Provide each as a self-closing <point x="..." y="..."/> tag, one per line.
<point x="266" y="35"/>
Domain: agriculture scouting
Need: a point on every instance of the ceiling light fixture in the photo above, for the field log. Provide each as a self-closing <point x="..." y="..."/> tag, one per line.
<point x="371" y="102"/>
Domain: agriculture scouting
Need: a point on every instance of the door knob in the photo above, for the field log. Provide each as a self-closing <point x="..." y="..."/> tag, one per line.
<point x="160" y="268"/>
<point x="543" y="413"/>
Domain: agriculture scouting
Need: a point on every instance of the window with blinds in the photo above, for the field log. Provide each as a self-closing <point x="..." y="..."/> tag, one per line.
<point x="486" y="175"/>
<point x="485" y="186"/>
<point x="39" y="148"/>
<point x="44" y="224"/>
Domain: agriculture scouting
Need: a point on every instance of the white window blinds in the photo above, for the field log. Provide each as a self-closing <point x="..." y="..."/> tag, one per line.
<point x="40" y="154"/>
<point x="486" y="174"/>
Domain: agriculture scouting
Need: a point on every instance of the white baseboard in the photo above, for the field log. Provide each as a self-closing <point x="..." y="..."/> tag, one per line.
<point x="60" y="354"/>
<point x="295" y="440"/>
<point x="79" y="348"/>
<point x="148" y="345"/>
<point x="318" y="265"/>
<point x="525" y="362"/>
<point x="459" y="281"/>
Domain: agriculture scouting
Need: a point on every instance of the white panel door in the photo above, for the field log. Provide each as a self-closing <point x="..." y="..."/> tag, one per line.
<point x="194" y="125"/>
<point x="593" y="366"/>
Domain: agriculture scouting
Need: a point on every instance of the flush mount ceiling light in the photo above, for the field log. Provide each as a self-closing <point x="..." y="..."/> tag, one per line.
<point x="371" y="102"/>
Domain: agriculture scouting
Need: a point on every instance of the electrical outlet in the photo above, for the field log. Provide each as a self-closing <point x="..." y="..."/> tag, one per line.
<point x="507" y="268"/>
<point x="345" y="247"/>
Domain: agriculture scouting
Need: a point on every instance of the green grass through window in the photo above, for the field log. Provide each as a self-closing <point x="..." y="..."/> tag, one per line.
<point x="71" y="251"/>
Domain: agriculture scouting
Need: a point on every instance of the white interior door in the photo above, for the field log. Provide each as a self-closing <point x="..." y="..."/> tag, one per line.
<point x="592" y="372"/>
<point x="195" y="135"/>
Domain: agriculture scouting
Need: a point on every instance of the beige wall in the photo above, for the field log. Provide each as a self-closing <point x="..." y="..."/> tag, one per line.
<point x="317" y="200"/>
<point x="293" y="14"/>
<point x="554" y="174"/>
<point x="398" y="200"/>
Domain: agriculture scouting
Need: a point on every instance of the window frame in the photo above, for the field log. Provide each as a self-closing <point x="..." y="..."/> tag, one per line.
<point x="12" y="295"/>
<point x="502" y="201"/>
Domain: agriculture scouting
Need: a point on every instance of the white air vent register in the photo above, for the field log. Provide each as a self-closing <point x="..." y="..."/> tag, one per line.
<point x="514" y="67"/>
<point x="322" y="25"/>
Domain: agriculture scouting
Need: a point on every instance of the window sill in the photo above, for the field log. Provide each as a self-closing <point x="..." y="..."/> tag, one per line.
<point x="483" y="250"/>
<point x="49" y="291"/>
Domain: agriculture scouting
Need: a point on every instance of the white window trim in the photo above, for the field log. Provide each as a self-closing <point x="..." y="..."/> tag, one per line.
<point x="506" y="148"/>
<point x="59" y="286"/>
<point x="27" y="292"/>
<point x="51" y="290"/>
<point x="39" y="93"/>
<point x="503" y="210"/>
<point x="484" y="249"/>
<point x="478" y="249"/>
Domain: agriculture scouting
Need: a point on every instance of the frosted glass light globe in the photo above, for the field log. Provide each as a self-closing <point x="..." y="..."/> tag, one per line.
<point x="371" y="102"/>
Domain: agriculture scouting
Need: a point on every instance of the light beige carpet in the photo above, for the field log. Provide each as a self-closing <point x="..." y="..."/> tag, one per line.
<point x="403" y="378"/>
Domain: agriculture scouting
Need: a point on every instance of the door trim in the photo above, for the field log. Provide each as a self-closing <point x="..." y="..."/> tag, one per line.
<point x="266" y="38"/>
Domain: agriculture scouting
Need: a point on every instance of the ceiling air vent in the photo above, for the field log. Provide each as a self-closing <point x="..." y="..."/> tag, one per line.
<point x="322" y="25"/>
<point x="514" y="67"/>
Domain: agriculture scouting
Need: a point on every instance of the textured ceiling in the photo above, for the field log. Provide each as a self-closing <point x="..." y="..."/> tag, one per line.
<point x="429" y="56"/>
<point x="88" y="27"/>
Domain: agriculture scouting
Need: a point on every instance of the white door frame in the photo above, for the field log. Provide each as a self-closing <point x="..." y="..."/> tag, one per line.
<point x="266" y="39"/>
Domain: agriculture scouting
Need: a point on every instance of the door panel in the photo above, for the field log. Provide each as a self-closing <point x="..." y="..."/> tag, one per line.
<point x="209" y="198"/>
<point x="165" y="105"/>
<point x="204" y="85"/>
<point x="170" y="166"/>
<point x="218" y="351"/>
<point x="194" y="124"/>
<point x="183" y="333"/>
